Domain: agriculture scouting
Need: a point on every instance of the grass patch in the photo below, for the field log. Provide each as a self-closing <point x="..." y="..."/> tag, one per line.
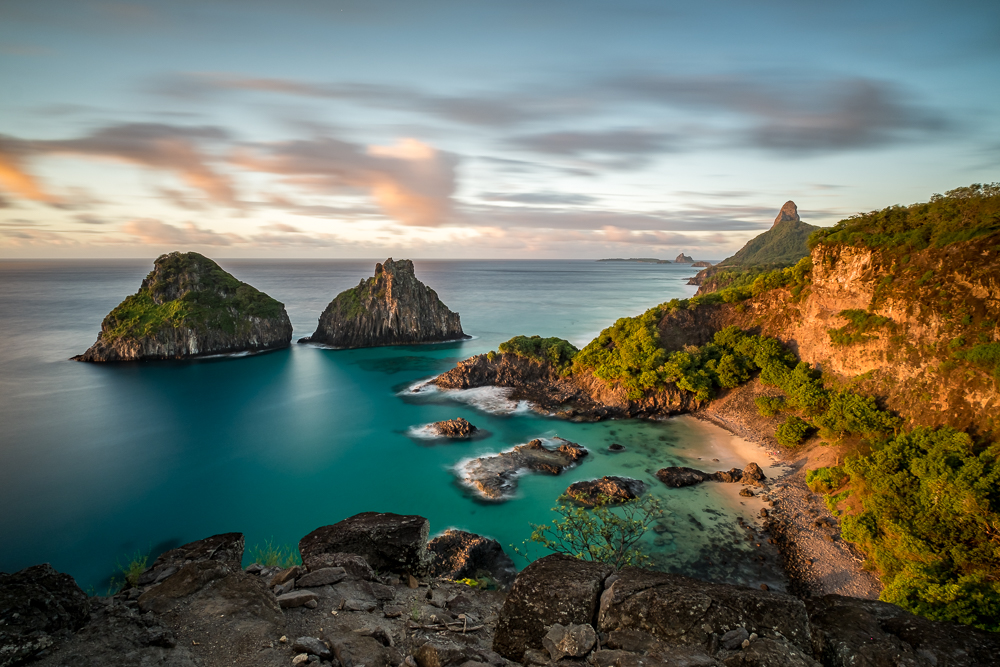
<point x="270" y="554"/>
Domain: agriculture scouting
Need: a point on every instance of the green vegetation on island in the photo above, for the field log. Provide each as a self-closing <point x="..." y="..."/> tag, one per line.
<point x="783" y="245"/>
<point x="188" y="290"/>
<point x="555" y="351"/>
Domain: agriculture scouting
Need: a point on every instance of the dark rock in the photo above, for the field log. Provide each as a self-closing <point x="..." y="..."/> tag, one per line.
<point x="746" y="493"/>
<point x="733" y="639"/>
<point x="360" y="605"/>
<point x="324" y="576"/>
<point x="284" y="576"/>
<point x="312" y="645"/>
<point x="730" y="476"/>
<point x="850" y="632"/>
<point x="454" y="428"/>
<point x="574" y="640"/>
<point x="296" y="599"/>
<point x="769" y="653"/>
<point x="683" y="259"/>
<point x="612" y="490"/>
<point x="615" y="447"/>
<point x="634" y="641"/>
<point x="227" y="315"/>
<point x="226" y="548"/>
<point x="286" y="587"/>
<point x="789" y="213"/>
<point x="38" y="607"/>
<point x="355" y="565"/>
<point x="458" y="554"/>
<point x="753" y="475"/>
<point x="702" y="264"/>
<point x="553" y="589"/>
<point x="680" y="476"/>
<point x="383" y="592"/>
<point x="680" y="610"/>
<point x="495" y="476"/>
<point x="387" y="542"/>
<point x="391" y="308"/>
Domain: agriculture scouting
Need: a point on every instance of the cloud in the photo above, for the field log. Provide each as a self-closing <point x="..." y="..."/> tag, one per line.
<point x="156" y="232"/>
<point x="411" y="181"/>
<point x="603" y="142"/>
<point x="14" y="176"/>
<point x="540" y="198"/>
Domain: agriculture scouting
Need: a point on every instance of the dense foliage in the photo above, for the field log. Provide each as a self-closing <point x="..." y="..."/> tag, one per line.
<point x="986" y="355"/>
<point x="930" y="524"/>
<point x="188" y="290"/>
<point x="602" y="533"/>
<point x="826" y="480"/>
<point x="792" y="431"/>
<point x="742" y="285"/>
<point x="556" y="351"/>
<point x="961" y="214"/>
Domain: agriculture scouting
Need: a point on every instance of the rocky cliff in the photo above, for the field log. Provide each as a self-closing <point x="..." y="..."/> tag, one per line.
<point x="189" y="307"/>
<point x="197" y="607"/>
<point x="390" y="308"/>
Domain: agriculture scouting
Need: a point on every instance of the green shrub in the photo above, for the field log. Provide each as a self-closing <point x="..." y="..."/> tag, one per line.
<point x="134" y="566"/>
<point x="826" y="480"/>
<point x="985" y="355"/>
<point x="769" y="406"/>
<point x="555" y="351"/>
<point x="275" y="555"/>
<point x="860" y="322"/>
<point x="792" y="432"/>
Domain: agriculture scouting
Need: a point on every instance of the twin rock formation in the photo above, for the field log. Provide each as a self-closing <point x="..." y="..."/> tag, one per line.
<point x="188" y="306"/>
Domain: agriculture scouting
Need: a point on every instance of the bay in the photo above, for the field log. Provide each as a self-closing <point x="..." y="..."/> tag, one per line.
<point x="99" y="462"/>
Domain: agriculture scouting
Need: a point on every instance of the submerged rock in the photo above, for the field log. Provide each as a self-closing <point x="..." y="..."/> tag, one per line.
<point x="188" y="307"/>
<point x="495" y="476"/>
<point x="390" y="308"/>
<point x="613" y="490"/>
<point x="454" y="428"/>
<point x="458" y="554"/>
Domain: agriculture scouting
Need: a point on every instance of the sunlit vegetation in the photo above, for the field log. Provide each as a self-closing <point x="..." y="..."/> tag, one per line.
<point x="860" y="324"/>
<point x="555" y="351"/>
<point x="958" y="215"/>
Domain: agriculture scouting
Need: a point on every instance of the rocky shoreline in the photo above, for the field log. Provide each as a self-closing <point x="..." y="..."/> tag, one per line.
<point x="494" y="477"/>
<point x="196" y="607"/>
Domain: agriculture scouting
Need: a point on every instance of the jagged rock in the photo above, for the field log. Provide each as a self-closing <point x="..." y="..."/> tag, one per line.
<point x="355" y="565"/>
<point x="225" y="548"/>
<point x="458" y="555"/>
<point x="391" y="308"/>
<point x="746" y="493"/>
<point x="613" y="490"/>
<point x="296" y="599"/>
<point x="324" y="576"/>
<point x="701" y="264"/>
<point x="683" y="259"/>
<point x="495" y="476"/>
<point x="388" y="542"/>
<point x="789" y="213"/>
<point x="574" y="640"/>
<point x="284" y="576"/>
<point x="187" y="307"/>
<point x="768" y="653"/>
<point x="553" y="589"/>
<point x="680" y="476"/>
<point x="680" y="610"/>
<point x="38" y="608"/>
<point x="733" y="639"/>
<point x="730" y="476"/>
<point x="454" y="428"/>
<point x="849" y="632"/>
<point x="753" y="475"/>
<point x="312" y="645"/>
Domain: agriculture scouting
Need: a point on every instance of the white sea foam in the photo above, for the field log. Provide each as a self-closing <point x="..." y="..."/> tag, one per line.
<point x="423" y="432"/>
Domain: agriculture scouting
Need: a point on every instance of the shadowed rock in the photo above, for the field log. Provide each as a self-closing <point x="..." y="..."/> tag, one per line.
<point x="388" y="542"/>
<point x="457" y="554"/>
<point x="680" y="476"/>
<point x="225" y="548"/>
<point x="38" y="608"/>
<point x="613" y="490"/>
<point x="390" y="308"/>
<point x="495" y="476"/>
<point x="677" y="477"/>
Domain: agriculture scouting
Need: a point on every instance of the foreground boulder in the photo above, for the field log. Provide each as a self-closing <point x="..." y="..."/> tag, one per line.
<point x="390" y="308"/>
<point x="610" y="490"/>
<point x="495" y="476"/>
<point x="226" y="548"/>
<point x="388" y="542"/>
<point x="553" y="589"/>
<point x="38" y="608"/>
<point x="458" y="554"/>
<point x="188" y="307"/>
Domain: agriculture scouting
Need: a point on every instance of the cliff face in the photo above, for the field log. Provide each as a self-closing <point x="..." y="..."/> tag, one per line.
<point x="187" y="307"/>
<point x="921" y="311"/>
<point x="391" y="308"/>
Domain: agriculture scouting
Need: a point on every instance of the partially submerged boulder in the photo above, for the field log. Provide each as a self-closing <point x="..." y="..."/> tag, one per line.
<point x="454" y="428"/>
<point x="390" y="308"/>
<point x="388" y="542"/>
<point x="188" y="306"/>
<point x="676" y="477"/>
<point x="494" y="476"/>
<point x="608" y="489"/>
<point x="458" y="554"/>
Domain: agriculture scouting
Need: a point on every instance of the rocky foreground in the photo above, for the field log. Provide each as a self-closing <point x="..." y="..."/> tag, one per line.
<point x="196" y="607"/>
<point x="189" y="307"/>
<point x="390" y="308"/>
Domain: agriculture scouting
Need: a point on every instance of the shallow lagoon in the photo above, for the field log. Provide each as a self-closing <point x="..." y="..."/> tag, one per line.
<point x="97" y="462"/>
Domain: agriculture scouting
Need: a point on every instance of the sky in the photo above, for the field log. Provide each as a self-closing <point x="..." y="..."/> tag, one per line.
<point x="458" y="129"/>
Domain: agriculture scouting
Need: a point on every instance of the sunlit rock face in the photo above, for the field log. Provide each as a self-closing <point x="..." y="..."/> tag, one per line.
<point x="390" y="308"/>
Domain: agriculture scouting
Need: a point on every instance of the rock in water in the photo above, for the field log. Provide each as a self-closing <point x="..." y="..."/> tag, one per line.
<point x="683" y="259"/>
<point x="390" y="308"/>
<point x="612" y="490"/>
<point x="187" y="307"/>
<point x="789" y="212"/>
<point x="454" y="428"/>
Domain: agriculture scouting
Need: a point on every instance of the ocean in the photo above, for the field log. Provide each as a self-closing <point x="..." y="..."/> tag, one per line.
<point x="102" y="462"/>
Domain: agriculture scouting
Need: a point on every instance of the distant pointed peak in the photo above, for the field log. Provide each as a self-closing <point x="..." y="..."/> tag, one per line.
<point x="789" y="212"/>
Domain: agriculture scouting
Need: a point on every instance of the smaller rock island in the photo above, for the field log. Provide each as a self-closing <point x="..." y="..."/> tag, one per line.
<point x="188" y="306"/>
<point x="390" y="308"/>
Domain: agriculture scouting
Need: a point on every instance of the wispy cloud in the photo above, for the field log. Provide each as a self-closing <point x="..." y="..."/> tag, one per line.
<point x="156" y="232"/>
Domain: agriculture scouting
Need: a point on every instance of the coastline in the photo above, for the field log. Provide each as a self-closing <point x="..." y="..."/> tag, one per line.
<point x="816" y="559"/>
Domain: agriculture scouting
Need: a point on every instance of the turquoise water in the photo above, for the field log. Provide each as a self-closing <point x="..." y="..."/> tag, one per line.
<point x="100" y="461"/>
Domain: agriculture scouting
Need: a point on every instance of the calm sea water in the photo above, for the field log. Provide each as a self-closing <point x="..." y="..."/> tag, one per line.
<point x="98" y="462"/>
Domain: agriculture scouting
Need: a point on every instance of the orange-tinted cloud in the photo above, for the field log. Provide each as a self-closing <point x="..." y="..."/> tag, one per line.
<point x="14" y="178"/>
<point x="156" y="232"/>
